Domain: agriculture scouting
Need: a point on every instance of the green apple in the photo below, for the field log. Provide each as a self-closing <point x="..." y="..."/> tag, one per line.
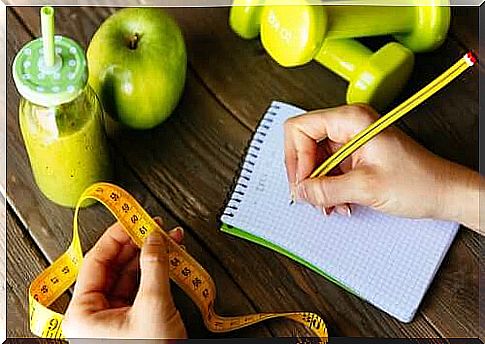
<point x="137" y="64"/>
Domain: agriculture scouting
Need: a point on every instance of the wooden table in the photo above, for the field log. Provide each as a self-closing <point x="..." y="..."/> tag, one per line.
<point x="183" y="171"/>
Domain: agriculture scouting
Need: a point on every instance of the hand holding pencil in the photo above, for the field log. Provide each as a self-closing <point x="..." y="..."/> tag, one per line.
<point x="390" y="172"/>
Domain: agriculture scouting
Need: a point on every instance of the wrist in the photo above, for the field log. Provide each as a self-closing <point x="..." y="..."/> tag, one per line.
<point x="460" y="196"/>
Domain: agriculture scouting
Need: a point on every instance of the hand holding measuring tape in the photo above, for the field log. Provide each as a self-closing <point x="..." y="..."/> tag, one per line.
<point x="120" y="286"/>
<point x="184" y="270"/>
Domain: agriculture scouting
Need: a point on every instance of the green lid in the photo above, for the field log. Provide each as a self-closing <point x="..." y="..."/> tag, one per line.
<point x="58" y="82"/>
<point x="50" y="86"/>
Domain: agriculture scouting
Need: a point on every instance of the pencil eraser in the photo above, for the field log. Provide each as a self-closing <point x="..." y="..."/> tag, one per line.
<point x="471" y="59"/>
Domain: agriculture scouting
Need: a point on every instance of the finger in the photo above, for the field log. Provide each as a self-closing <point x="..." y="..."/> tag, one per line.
<point x="159" y="221"/>
<point x="327" y="210"/>
<point x="117" y="267"/>
<point x="343" y="209"/>
<point x="97" y="265"/>
<point x="177" y="234"/>
<point x="291" y="163"/>
<point x="126" y="255"/>
<point x="330" y="147"/>
<point x="154" y="292"/>
<point x="350" y="187"/>
<point x="300" y="152"/>
<point x="339" y="124"/>
<point x="303" y="132"/>
<point x="109" y="246"/>
<point x="126" y="286"/>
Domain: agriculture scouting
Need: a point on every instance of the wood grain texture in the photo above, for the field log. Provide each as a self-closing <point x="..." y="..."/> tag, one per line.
<point x="3" y="266"/>
<point x="189" y="162"/>
<point x="453" y="302"/>
<point x="465" y="27"/>
<point x="19" y="277"/>
<point x="202" y="146"/>
<point x="51" y="226"/>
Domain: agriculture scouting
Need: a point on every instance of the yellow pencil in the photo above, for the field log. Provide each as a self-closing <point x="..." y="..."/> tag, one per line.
<point x="399" y="111"/>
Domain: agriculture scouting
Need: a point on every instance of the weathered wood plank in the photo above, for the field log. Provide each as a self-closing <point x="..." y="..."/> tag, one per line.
<point x="50" y="226"/>
<point x="24" y="263"/>
<point x="465" y="27"/>
<point x="453" y="302"/>
<point x="188" y="163"/>
<point x="3" y="261"/>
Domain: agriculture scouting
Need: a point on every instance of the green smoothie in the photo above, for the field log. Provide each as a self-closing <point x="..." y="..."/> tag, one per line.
<point x="67" y="146"/>
<point x="60" y="116"/>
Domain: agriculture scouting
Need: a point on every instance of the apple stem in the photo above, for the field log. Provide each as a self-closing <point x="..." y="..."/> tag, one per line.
<point x="133" y="43"/>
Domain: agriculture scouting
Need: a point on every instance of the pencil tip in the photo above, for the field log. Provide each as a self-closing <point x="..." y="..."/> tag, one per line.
<point x="292" y="195"/>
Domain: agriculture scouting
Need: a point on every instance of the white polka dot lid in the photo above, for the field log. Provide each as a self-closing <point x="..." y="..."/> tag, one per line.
<point x="52" y="86"/>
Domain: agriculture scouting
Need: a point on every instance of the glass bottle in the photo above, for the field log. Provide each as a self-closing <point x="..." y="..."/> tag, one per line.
<point x="61" y="118"/>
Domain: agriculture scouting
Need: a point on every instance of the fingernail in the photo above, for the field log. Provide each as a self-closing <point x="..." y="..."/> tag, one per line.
<point x="324" y="211"/>
<point x="155" y="238"/>
<point x="177" y="233"/>
<point x="343" y="209"/>
<point x="158" y="220"/>
<point x="340" y="209"/>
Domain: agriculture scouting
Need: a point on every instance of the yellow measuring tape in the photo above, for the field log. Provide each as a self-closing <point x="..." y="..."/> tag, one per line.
<point x="185" y="271"/>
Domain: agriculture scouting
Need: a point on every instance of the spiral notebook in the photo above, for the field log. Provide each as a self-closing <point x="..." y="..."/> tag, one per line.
<point x="386" y="260"/>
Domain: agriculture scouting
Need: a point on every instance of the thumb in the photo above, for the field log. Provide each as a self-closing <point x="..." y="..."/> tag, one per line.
<point x="331" y="191"/>
<point x="154" y="291"/>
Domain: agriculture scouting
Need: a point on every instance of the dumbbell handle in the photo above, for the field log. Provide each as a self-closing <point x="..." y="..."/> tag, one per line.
<point x="362" y="21"/>
<point x="343" y="56"/>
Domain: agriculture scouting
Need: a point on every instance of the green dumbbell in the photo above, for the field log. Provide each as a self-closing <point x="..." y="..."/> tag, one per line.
<point x="374" y="78"/>
<point x="420" y="28"/>
<point x="244" y="17"/>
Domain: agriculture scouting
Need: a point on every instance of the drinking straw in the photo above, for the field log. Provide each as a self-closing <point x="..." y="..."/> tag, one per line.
<point x="47" y="25"/>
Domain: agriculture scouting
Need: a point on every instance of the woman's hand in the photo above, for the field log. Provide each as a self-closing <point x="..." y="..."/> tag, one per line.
<point x="122" y="292"/>
<point x="390" y="173"/>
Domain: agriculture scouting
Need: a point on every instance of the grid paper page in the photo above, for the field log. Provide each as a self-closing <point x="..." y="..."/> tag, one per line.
<point x="389" y="261"/>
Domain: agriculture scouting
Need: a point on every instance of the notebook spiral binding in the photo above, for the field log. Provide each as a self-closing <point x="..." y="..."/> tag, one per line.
<point x="240" y="182"/>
